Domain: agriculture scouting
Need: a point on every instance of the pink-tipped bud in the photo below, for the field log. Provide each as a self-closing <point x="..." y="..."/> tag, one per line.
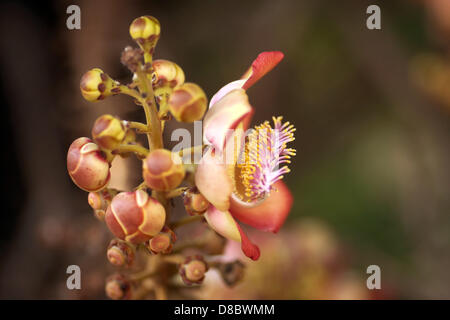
<point x="193" y="270"/>
<point x="194" y="202"/>
<point x="163" y="170"/>
<point x="118" y="287"/>
<point x="162" y="242"/>
<point x="187" y="103"/>
<point x="232" y="272"/>
<point x="96" y="85"/>
<point x="108" y="132"/>
<point x="87" y="165"/>
<point x="135" y="216"/>
<point x="120" y="253"/>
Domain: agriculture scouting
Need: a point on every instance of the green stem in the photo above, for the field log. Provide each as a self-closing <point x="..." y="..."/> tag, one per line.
<point x="141" y="128"/>
<point x="137" y="149"/>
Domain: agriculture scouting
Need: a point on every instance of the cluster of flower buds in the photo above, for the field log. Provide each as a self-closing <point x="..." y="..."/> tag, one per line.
<point x="193" y="270"/>
<point x="120" y="253"/>
<point x="212" y="192"/>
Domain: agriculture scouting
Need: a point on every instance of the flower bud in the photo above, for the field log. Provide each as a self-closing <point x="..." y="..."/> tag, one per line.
<point x="163" y="170"/>
<point x="96" y="85"/>
<point x="87" y="165"/>
<point x="194" y="202"/>
<point x="99" y="201"/>
<point x="118" y="287"/>
<point x="162" y="242"/>
<point x="232" y="272"/>
<point x="166" y="74"/>
<point x="187" y="103"/>
<point x="135" y="216"/>
<point x="108" y="132"/>
<point x="120" y="253"/>
<point x="193" y="270"/>
<point x="145" y="31"/>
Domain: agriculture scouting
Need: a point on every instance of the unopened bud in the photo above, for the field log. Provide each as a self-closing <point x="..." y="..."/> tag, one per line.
<point x="187" y="103"/>
<point x="166" y="74"/>
<point x="194" y="202"/>
<point x="87" y="165"/>
<point x="96" y="85"/>
<point x="118" y="287"/>
<point x="120" y="253"/>
<point x="135" y="216"/>
<point x="145" y="31"/>
<point x="163" y="170"/>
<point x="108" y="132"/>
<point x="99" y="201"/>
<point x="162" y="242"/>
<point x="232" y="272"/>
<point x="193" y="270"/>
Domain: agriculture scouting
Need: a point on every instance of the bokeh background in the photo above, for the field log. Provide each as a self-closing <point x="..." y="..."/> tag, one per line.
<point x="371" y="179"/>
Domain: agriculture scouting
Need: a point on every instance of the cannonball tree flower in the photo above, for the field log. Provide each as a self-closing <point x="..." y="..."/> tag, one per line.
<point x="249" y="187"/>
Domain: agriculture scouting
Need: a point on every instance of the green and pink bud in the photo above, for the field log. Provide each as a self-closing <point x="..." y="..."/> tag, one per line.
<point x="166" y="75"/>
<point x="188" y="103"/>
<point x="145" y="31"/>
<point x="108" y="132"/>
<point x="96" y="85"/>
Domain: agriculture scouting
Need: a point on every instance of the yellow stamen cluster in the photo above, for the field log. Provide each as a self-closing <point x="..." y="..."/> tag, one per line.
<point x="265" y="149"/>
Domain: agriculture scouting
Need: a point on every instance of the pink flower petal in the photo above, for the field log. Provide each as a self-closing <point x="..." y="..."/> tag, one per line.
<point x="224" y="224"/>
<point x="265" y="62"/>
<point x="225" y="116"/>
<point x="212" y="180"/>
<point x="270" y="214"/>
<point x="225" y="89"/>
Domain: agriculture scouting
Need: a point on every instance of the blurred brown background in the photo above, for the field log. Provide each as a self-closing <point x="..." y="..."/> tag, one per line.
<point x="371" y="179"/>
